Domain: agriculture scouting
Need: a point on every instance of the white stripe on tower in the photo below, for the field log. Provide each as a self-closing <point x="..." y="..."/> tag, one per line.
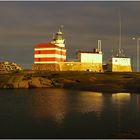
<point x="48" y="56"/>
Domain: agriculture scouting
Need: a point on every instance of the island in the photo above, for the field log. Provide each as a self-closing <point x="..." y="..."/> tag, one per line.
<point x="76" y="80"/>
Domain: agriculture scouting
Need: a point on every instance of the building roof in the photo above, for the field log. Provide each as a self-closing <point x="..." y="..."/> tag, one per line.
<point x="43" y="45"/>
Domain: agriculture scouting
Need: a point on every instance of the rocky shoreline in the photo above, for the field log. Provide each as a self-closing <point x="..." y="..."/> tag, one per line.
<point x="102" y="82"/>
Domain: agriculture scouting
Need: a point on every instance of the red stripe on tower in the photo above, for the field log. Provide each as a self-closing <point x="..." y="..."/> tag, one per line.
<point x="53" y="52"/>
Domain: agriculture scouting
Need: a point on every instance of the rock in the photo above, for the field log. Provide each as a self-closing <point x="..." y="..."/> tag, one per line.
<point x="15" y="84"/>
<point x="92" y="79"/>
<point x="57" y="83"/>
<point x="27" y="77"/>
<point x="46" y="82"/>
<point x="23" y="84"/>
<point x="35" y="82"/>
<point x="11" y="85"/>
<point x="8" y="85"/>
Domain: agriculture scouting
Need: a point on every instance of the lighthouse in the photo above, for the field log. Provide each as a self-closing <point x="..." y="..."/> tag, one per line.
<point x="58" y="39"/>
<point x="52" y="52"/>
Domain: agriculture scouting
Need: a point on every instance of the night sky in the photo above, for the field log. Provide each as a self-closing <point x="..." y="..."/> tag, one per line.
<point x="26" y="24"/>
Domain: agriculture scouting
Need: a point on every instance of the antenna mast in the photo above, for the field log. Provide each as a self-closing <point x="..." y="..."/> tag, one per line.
<point x="53" y="35"/>
<point x="61" y="28"/>
<point x="120" y="24"/>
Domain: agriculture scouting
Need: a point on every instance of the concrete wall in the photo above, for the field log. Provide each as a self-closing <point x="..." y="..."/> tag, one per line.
<point x="48" y="67"/>
<point x="119" y="68"/>
<point x="69" y="66"/>
<point x="78" y="66"/>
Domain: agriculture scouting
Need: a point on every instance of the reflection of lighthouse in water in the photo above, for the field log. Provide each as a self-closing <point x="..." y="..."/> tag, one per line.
<point x="49" y="104"/>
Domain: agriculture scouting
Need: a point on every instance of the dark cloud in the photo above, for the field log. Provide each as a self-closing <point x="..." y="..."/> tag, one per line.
<point x="25" y="24"/>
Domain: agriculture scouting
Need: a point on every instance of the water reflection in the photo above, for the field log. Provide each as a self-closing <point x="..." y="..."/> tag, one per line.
<point x="90" y="102"/>
<point x="48" y="103"/>
<point x="118" y="101"/>
<point x="56" y="103"/>
<point x="121" y="96"/>
<point x="58" y="113"/>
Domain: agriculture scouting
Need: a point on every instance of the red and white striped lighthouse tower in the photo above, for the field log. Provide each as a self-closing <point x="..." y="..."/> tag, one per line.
<point x="53" y="52"/>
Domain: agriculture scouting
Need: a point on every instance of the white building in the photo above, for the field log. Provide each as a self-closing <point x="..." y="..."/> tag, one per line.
<point x="93" y="58"/>
<point x="119" y="64"/>
<point x="89" y="57"/>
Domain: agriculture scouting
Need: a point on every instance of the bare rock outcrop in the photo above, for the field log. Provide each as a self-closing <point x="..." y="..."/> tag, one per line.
<point x="23" y="84"/>
<point x="34" y="82"/>
<point x="24" y="81"/>
<point x="46" y="82"/>
<point x="37" y="82"/>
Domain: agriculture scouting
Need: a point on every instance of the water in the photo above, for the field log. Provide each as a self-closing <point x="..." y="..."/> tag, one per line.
<point x="58" y="113"/>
